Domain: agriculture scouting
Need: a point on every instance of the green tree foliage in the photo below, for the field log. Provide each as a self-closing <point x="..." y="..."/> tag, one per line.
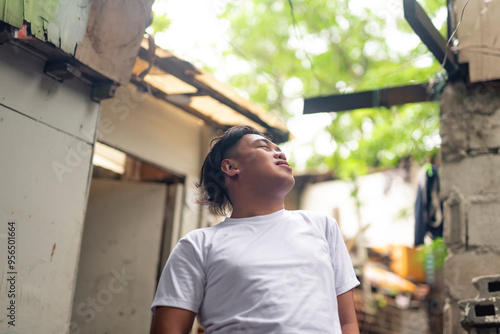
<point x="331" y="47"/>
<point x="160" y="22"/>
<point x="321" y="44"/>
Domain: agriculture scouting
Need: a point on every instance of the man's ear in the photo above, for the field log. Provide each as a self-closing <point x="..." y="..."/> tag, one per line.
<point x="230" y="167"/>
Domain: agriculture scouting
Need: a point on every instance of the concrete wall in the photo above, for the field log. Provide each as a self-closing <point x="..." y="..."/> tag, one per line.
<point x="162" y="135"/>
<point x="47" y="132"/>
<point x="470" y="123"/>
<point x="119" y="257"/>
<point x="165" y="136"/>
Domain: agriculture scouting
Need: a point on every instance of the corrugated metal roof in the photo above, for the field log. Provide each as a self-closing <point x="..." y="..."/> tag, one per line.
<point x="180" y="83"/>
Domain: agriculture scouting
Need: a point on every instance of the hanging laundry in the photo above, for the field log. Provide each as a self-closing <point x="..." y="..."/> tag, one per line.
<point x="428" y="207"/>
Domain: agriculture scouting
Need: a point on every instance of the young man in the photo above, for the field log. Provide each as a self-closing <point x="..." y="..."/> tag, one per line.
<point x="263" y="270"/>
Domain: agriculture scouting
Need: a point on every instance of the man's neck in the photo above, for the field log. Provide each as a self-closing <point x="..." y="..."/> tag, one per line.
<point x="251" y="208"/>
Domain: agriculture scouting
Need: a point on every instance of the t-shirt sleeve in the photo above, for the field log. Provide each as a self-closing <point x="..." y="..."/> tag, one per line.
<point x="345" y="277"/>
<point x="182" y="281"/>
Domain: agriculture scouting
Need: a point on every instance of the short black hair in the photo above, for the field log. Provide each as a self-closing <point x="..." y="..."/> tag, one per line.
<point x="212" y="183"/>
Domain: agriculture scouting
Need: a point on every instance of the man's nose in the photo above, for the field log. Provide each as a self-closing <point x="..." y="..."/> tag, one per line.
<point x="280" y="155"/>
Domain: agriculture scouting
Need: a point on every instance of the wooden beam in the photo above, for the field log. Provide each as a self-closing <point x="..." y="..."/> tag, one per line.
<point x="430" y="36"/>
<point x="369" y="99"/>
<point x="177" y="100"/>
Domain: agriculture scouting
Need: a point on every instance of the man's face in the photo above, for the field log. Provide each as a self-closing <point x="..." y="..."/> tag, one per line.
<point x="262" y="164"/>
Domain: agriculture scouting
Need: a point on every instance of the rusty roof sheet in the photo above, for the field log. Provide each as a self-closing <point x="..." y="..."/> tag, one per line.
<point x="194" y="90"/>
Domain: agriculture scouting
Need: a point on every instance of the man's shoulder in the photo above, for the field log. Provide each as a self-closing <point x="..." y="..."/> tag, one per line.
<point x="321" y="220"/>
<point x="199" y="235"/>
<point x="313" y="215"/>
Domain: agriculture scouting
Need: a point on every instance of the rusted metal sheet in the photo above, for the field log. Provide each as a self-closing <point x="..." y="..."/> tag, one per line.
<point x="201" y="94"/>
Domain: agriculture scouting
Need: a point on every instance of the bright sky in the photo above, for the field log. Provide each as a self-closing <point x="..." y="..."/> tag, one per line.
<point x="199" y="37"/>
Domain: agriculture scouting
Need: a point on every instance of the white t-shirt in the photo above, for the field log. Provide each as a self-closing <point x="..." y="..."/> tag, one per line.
<point x="277" y="273"/>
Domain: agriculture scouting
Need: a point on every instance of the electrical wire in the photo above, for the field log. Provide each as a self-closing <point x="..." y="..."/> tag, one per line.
<point x="394" y="71"/>
<point x="377" y="77"/>
<point x="478" y="49"/>
<point x="453" y="35"/>
<point x="269" y="76"/>
<point x="486" y="53"/>
<point x="301" y="39"/>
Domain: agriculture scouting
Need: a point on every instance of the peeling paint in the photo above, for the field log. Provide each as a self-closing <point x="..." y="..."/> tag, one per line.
<point x="70" y="25"/>
<point x="12" y="12"/>
<point x="60" y="22"/>
<point x="38" y="13"/>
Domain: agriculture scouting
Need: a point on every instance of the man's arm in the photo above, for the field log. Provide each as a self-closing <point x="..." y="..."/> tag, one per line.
<point x="347" y="313"/>
<point x="172" y="320"/>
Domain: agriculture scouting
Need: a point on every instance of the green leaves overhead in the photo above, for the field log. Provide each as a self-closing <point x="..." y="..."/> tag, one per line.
<point x="306" y="48"/>
<point x="334" y="47"/>
<point x="325" y="46"/>
<point x="381" y="138"/>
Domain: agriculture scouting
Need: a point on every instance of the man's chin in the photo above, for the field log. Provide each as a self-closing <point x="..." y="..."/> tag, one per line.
<point x="290" y="184"/>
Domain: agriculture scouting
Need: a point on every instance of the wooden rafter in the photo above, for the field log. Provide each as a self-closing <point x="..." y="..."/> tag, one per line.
<point x="430" y="36"/>
<point x="207" y="86"/>
<point x="386" y="97"/>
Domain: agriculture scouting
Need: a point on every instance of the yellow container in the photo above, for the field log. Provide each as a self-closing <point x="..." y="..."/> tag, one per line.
<point x="404" y="263"/>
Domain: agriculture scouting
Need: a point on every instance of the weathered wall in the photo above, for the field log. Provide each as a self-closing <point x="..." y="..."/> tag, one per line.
<point x="163" y="135"/>
<point x="60" y="22"/>
<point x="47" y="132"/>
<point x="470" y="124"/>
<point x="477" y="36"/>
<point x="152" y="130"/>
<point x="119" y="257"/>
<point x="104" y="35"/>
<point x="114" y="32"/>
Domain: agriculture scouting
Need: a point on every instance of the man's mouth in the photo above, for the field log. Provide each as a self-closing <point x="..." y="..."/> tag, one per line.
<point x="283" y="163"/>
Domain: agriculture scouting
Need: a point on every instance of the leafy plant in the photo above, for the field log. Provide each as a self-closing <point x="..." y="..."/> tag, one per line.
<point x="436" y="249"/>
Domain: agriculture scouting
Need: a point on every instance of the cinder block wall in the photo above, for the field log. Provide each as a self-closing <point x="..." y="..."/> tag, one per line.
<point x="470" y="132"/>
